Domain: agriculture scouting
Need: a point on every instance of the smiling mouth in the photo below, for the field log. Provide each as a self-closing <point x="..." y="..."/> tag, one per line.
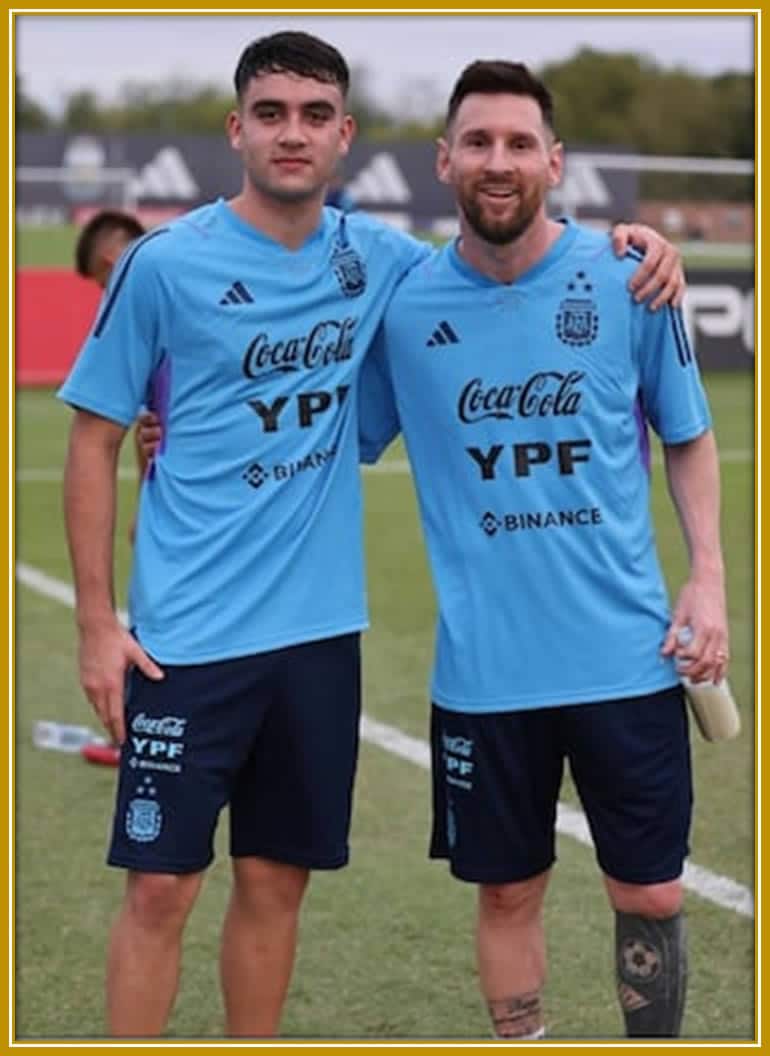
<point x="499" y="194"/>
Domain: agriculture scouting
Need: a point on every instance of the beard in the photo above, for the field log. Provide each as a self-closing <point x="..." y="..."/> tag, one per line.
<point x="503" y="230"/>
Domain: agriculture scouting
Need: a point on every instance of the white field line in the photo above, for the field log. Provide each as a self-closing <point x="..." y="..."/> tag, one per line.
<point x="401" y="465"/>
<point x="720" y="890"/>
<point x="387" y="466"/>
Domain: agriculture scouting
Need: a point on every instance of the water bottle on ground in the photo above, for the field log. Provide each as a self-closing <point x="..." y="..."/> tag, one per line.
<point x="61" y="737"/>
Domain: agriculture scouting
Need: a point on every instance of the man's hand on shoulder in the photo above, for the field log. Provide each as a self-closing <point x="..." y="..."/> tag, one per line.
<point x="660" y="273"/>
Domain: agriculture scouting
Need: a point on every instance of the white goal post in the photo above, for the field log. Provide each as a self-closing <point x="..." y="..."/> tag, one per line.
<point x="115" y="185"/>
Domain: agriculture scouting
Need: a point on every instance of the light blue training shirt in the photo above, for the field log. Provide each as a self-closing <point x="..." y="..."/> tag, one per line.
<point x="524" y="409"/>
<point x="249" y="534"/>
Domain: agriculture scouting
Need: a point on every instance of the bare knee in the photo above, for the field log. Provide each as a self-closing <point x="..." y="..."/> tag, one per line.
<point x="161" y="901"/>
<point x="266" y="887"/>
<point x="654" y="901"/>
<point x="520" y="901"/>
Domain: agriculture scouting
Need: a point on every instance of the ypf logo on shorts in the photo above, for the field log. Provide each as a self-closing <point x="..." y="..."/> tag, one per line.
<point x="458" y="762"/>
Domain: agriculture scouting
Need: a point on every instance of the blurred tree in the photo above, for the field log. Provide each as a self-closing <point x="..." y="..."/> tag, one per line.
<point x="673" y="115"/>
<point x="605" y="99"/>
<point x="623" y="99"/>
<point x="84" y="113"/>
<point x="594" y="93"/>
<point x="733" y="106"/>
<point x="30" y="116"/>
<point x="371" y="117"/>
<point x="175" y="105"/>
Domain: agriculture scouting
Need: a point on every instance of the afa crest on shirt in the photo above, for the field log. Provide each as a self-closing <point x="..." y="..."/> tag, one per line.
<point x="577" y="320"/>
<point x="577" y="323"/>
<point x="350" y="271"/>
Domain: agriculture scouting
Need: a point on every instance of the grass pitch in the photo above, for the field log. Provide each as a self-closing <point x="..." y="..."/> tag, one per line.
<point x="386" y="947"/>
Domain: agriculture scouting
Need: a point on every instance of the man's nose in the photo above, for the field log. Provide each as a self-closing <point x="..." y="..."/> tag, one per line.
<point x="293" y="130"/>
<point x="499" y="158"/>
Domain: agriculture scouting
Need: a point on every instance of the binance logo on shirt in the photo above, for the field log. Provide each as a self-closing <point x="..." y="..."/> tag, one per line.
<point x="256" y="475"/>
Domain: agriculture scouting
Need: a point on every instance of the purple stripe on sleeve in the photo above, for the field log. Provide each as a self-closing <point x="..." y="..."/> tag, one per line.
<point x="644" y="436"/>
<point x="158" y="400"/>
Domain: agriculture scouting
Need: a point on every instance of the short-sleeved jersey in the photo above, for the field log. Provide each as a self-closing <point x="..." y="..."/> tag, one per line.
<point x="524" y="409"/>
<point x="249" y="527"/>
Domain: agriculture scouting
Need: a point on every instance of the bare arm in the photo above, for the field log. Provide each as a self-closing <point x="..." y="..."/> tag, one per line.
<point x="107" y="650"/>
<point x="142" y="458"/>
<point x="693" y="479"/>
<point x="148" y="436"/>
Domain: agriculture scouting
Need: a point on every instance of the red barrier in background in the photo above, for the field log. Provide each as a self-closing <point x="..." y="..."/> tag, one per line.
<point x="54" y="312"/>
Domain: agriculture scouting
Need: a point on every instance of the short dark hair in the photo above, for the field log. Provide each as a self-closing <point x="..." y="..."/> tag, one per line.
<point x="292" y="52"/>
<point x="495" y="77"/>
<point x="102" y="223"/>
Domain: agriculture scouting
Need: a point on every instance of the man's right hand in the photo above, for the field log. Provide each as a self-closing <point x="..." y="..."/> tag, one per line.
<point x="148" y="434"/>
<point x="107" y="651"/>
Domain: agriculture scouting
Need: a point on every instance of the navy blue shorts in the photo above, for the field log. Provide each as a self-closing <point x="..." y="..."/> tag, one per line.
<point x="496" y="780"/>
<point x="273" y="735"/>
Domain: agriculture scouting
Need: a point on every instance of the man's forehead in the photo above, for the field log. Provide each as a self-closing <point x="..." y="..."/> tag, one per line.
<point x="481" y="108"/>
<point x="292" y="87"/>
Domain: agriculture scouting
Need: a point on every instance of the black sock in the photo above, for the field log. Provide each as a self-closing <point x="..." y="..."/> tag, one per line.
<point x="651" y="969"/>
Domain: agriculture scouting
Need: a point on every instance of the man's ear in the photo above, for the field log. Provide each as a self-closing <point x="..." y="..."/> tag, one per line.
<point x="234" y="128"/>
<point x="109" y="253"/>
<point x="442" y="160"/>
<point x="556" y="164"/>
<point x="348" y="133"/>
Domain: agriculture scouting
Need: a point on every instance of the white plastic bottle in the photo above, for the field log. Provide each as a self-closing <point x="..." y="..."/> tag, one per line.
<point x="712" y="703"/>
<point x="62" y="737"/>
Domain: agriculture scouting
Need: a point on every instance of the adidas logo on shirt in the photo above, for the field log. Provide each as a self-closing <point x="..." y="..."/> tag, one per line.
<point x="237" y="294"/>
<point x="443" y="335"/>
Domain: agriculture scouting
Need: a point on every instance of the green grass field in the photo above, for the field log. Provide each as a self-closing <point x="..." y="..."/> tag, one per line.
<point x="386" y="947"/>
<point x="52" y="247"/>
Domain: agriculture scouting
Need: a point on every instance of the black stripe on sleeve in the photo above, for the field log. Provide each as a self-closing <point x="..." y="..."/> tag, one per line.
<point x="683" y="350"/>
<point x="107" y="310"/>
<point x="634" y="253"/>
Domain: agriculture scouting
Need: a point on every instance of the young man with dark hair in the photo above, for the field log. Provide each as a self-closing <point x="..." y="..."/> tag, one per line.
<point x="101" y="241"/>
<point x="248" y="321"/>
<point x="555" y="639"/>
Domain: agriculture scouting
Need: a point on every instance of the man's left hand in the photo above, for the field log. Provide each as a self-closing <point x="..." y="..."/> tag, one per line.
<point x="701" y="607"/>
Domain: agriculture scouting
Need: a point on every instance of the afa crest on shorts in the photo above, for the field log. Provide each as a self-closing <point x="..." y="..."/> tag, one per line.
<point x="350" y="271"/>
<point x="143" y="820"/>
<point x="577" y="320"/>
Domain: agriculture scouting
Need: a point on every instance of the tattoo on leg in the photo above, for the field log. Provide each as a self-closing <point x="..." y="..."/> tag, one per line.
<point x="651" y="960"/>
<point x="518" y="1016"/>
